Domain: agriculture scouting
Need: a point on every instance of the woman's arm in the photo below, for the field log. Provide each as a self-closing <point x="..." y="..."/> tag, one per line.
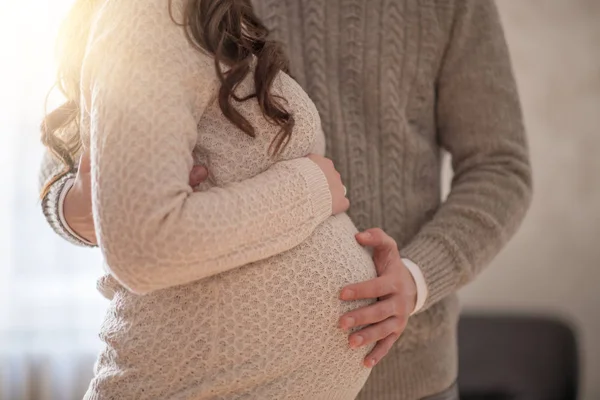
<point x="147" y="88"/>
<point x="480" y="124"/>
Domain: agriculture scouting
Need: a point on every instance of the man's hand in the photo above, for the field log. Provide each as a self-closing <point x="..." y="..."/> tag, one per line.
<point x="394" y="288"/>
<point x="77" y="208"/>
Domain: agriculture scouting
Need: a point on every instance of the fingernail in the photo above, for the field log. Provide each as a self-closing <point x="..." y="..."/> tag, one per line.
<point x="201" y="173"/>
<point x="365" y="235"/>
<point x="357" y="341"/>
<point x="348" y="294"/>
<point x="372" y="362"/>
<point x="348" y="323"/>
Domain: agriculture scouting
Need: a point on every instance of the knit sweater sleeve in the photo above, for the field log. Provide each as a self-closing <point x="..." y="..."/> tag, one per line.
<point x="145" y="87"/>
<point x="480" y="124"/>
<point x="51" y="203"/>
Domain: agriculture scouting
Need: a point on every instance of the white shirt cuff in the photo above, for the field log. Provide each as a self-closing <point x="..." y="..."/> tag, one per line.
<point x="422" y="291"/>
<point x="61" y="215"/>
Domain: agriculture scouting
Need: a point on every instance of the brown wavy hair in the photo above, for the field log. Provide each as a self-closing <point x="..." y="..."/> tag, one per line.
<point x="229" y="30"/>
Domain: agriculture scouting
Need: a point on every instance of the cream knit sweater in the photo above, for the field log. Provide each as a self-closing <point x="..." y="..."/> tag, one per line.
<point x="395" y="82"/>
<point x="230" y="292"/>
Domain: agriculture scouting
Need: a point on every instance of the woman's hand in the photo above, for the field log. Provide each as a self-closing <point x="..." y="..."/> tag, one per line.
<point x="77" y="208"/>
<point x="340" y="202"/>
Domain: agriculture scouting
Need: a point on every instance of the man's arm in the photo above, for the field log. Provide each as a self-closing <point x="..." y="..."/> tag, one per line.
<point x="52" y="203"/>
<point x="481" y="125"/>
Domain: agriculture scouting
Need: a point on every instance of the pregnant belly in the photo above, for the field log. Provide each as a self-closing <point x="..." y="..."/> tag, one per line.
<point x="271" y="317"/>
<point x="304" y="282"/>
<point x="292" y="300"/>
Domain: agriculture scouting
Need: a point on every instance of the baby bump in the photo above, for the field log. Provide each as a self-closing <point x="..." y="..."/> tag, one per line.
<point x="284" y="311"/>
<point x="276" y="318"/>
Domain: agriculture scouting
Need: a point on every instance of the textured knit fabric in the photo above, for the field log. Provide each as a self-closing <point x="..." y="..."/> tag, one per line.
<point x="395" y="82"/>
<point x="227" y="293"/>
<point x="51" y="202"/>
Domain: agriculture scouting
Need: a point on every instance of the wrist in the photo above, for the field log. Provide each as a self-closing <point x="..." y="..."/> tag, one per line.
<point x="420" y="286"/>
<point x="317" y="186"/>
<point x="69" y="208"/>
<point x="76" y="223"/>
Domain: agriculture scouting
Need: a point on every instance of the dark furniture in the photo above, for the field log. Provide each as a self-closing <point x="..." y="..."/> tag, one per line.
<point x="517" y="358"/>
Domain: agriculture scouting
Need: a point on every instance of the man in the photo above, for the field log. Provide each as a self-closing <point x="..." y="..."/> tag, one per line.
<point x="396" y="82"/>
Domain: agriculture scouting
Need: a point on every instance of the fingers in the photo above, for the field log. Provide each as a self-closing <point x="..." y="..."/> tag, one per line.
<point x="381" y="349"/>
<point x="385" y="248"/>
<point x="373" y="289"/>
<point x="376" y="332"/>
<point x="386" y="319"/>
<point x="343" y="204"/>
<point x="198" y="175"/>
<point x="372" y="314"/>
<point x="377" y="239"/>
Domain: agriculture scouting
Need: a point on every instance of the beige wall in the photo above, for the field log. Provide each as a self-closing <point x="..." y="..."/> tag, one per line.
<point x="553" y="264"/>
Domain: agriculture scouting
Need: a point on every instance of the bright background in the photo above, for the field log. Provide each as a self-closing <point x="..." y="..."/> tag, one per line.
<point x="552" y="267"/>
<point x="50" y="311"/>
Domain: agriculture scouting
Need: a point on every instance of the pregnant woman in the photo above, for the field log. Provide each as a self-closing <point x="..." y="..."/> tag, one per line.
<point x="229" y="291"/>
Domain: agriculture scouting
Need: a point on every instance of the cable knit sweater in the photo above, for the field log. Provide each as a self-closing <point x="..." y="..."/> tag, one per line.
<point x="395" y="82"/>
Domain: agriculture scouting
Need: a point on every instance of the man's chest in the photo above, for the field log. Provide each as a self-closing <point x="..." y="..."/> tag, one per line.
<point x="369" y="65"/>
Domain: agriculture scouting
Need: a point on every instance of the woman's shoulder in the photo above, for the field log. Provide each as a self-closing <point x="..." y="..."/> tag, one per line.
<point x="136" y="44"/>
<point x="141" y="24"/>
<point x="146" y="33"/>
<point x="136" y="11"/>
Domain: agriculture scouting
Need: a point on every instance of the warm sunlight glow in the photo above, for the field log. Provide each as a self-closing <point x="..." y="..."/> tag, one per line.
<point x="27" y="35"/>
<point x="48" y="303"/>
<point x="27" y="71"/>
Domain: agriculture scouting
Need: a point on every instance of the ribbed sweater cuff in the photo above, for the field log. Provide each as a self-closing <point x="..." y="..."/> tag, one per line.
<point x="61" y="212"/>
<point x="439" y="264"/>
<point x="318" y="188"/>
<point x="51" y="208"/>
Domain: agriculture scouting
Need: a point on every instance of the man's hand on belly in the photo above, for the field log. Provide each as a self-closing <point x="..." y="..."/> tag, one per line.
<point x="396" y="291"/>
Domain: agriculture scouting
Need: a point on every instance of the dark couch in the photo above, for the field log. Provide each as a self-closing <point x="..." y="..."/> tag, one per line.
<point x="517" y="358"/>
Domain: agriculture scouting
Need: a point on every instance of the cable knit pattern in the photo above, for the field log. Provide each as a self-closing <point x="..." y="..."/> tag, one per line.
<point x="396" y="82"/>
